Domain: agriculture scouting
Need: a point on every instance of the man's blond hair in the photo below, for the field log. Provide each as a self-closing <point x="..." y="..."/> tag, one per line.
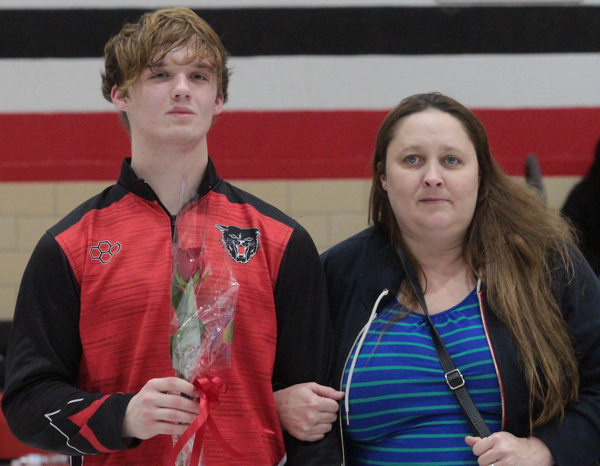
<point x="145" y="43"/>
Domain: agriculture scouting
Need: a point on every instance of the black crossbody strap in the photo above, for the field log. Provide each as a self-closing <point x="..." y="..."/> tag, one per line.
<point x="454" y="378"/>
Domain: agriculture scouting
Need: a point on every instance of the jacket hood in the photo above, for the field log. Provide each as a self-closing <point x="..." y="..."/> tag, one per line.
<point x="369" y="258"/>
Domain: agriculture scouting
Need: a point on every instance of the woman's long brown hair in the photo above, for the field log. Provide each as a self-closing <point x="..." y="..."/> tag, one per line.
<point x="514" y="244"/>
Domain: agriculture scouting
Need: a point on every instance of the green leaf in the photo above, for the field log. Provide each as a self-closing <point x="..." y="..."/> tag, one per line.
<point x="176" y="295"/>
<point x="175" y="356"/>
<point x="185" y="345"/>
<point x="187" y="306"/>
<point x="179" y="279"/>
<point x="196" y="278"/>
<point x="228" y="334"/>
<point x="205" y="276"/>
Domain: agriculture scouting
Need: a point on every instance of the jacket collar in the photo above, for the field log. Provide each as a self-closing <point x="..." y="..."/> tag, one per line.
<point x="138" y="186"/>
<point x="381" y="268"/>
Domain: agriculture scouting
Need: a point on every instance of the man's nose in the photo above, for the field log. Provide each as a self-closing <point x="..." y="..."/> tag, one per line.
<point x="181" y="87"/>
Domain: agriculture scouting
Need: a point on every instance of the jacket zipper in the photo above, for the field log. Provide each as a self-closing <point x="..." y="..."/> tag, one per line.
<point x="487" y="336"/>
<point x="365" y="329"/>
<point x="172" y="218"/>
<point x="340" y="421"/>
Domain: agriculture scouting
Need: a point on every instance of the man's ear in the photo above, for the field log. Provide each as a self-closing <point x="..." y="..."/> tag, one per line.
<point x="119" y="98"/>
<point x="218" y="104"/>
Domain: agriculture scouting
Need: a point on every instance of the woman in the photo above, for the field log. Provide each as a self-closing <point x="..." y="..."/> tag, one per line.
<point x="513" y="300"/>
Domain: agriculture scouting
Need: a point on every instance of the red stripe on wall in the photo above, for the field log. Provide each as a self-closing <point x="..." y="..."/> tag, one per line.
<point x="564" y="140"/>
<point x="284" y="145"/>
<point x="61" y="147"/>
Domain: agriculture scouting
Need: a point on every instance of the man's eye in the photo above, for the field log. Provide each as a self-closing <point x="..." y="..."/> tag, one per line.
<point x="201" y="77"/>
<point x="159" y="74"/>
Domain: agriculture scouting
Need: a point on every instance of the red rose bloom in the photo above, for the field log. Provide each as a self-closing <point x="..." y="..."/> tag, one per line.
<point x="189" y="263"/>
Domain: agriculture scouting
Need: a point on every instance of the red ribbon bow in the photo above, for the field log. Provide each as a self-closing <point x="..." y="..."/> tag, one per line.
<point x="210" y="388"/>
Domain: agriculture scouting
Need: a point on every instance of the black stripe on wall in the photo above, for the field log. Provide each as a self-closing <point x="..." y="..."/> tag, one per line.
<point x="323" y="31"/>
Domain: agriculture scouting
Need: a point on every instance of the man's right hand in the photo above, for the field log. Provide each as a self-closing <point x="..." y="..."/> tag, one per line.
<point x="307" y="410"/>
<point x="160" y="408"/>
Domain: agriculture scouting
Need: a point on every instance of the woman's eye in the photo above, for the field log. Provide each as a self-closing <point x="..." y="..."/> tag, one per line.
<point x="412" y="159"/>
<point x="451" y="160"/>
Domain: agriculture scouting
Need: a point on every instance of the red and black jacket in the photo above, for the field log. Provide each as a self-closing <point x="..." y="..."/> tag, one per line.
<point x="91" y="327"/>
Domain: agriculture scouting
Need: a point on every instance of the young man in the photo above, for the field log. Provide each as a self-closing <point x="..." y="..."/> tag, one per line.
<point x="88" y="370"/>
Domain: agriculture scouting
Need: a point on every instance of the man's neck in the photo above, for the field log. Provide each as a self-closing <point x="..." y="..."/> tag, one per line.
<point x="165" y="170"/>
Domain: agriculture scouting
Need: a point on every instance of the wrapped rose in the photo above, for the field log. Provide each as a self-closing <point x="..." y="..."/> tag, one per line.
<point x="189" y="265"/>
<point x="203" y="297"/>
<point x="189" y="270"/>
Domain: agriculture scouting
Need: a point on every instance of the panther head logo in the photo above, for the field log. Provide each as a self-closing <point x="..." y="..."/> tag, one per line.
<point x="241" y="243"/>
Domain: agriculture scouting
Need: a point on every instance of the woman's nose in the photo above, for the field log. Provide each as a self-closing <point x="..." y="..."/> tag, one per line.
<point x="432" y="176"/>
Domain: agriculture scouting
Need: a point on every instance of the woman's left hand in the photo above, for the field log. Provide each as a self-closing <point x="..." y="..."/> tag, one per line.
<point x="504" y="449"/>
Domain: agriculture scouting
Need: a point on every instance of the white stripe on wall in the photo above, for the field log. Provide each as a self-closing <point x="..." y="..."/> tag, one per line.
<point x="331" y="83"/>
<point x="379" y="82"/>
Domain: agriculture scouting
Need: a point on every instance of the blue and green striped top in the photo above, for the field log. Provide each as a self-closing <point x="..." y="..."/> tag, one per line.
<point x="402" y="412"/>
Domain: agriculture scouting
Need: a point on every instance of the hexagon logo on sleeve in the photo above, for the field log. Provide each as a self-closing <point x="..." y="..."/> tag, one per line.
<point x="104" y="251"/>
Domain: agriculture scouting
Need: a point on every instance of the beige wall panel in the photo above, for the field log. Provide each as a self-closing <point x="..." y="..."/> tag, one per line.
<point x="8" y="298"/>
<point x="27" y="198"/>
<point x="316" y="225"/>
<point x="366" y="193"/>
<point x="276" y="193"/>
<point x="12" y="265"/>
<point x="330" y="210"/>
<point x="31" y="229"/>
<point x="558" y="188"/>
<point x="70" y="195"/>
<point x="342" y="226"/>
<point x="327" y="196"/>
<point x="8" y="233"/>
